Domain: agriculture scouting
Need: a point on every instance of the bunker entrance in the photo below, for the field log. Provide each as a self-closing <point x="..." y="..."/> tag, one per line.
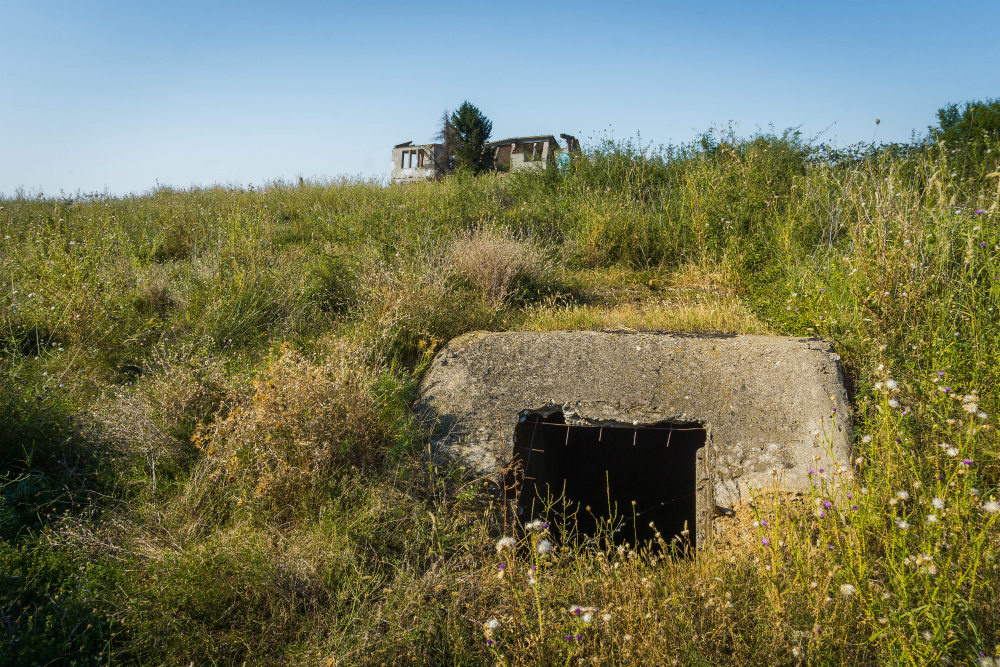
<point x="605" y="469"/>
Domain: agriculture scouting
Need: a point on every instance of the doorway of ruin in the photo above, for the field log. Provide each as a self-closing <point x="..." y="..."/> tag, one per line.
<point x="585" y="474"/>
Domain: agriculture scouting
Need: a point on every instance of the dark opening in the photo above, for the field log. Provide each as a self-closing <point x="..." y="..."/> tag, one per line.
<point x="605" y="468"/>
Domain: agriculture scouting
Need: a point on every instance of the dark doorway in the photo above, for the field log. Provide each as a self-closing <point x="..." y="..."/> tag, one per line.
<point x="605" y="469"/>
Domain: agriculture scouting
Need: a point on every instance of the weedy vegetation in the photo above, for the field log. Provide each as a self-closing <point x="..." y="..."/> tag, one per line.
<point x="208" y="453"/>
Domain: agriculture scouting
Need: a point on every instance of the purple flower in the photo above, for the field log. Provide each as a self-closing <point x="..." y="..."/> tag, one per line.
<point x="821" y="471"/>
<point x="983" y="244"/>
<point x="827" y="504"/>
<point x="854" y="507"/>
<point x="811" y="471"/>
<point x="822" y="514"/>
<point x="763" y="522"/>
<point x="946" y="389"/>
<point x="490" y="642"/>
<point x="967" y="462"/>
<point x="940" y="374"/>
<point x="766" y="542"/>
<point x="503" y="566"/>
<point x="850" y="495"/>
<point x="829" y="546"/>
<point x="979" y="211"/>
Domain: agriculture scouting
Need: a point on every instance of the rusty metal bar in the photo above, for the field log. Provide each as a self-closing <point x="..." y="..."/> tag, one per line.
<point x="601" y="426"/>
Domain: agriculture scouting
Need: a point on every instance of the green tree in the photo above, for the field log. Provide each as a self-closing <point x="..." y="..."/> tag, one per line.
<point x="970" y="131"/>
<point x="976" y="122"/>
<point x="469" y="130"/>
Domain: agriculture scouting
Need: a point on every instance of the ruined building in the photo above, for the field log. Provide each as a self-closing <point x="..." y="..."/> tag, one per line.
<point x="411" y="163"/>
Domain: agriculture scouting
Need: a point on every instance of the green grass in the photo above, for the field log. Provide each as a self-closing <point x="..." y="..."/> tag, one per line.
<point x="209" y="455"/>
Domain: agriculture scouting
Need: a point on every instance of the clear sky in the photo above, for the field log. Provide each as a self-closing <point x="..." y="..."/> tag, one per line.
<point x="121" y="96"/>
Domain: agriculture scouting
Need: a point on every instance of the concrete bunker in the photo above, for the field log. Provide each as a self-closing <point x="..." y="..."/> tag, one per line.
<point x="641" y="477"/>
<point x="773" y="409"/>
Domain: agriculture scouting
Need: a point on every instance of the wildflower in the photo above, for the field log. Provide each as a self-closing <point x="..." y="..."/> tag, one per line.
<point x="491" y="625"/>
<point x="967" y="462"/>
<point x="932" y="518"/>
<point x="946" y="389"/>
<point x="971" y="408"/>
<point x="937" y="503"/>
<point x="866" y="439"/>
<point x="766" y="542"/>
<point x="506" y="543"/>
<point x="927" y="635"/>
<point x="951" y="451"/>
<point x="537" y="524"/>
<point x="973" y="491"/>
<point x="587" y="617"/>
<point x="903" y="495"/>
<point x="893" y="403"/>
<point x="991" y="507"/>
<point x="979" y="211"/>
<point x="891" y="385"/>
<point x="902" y="524"/>
<point x="607" y="617"/>
<point x="847" y="590"/>
<point x="827" y="504"/>
<point x="544" y="546"/>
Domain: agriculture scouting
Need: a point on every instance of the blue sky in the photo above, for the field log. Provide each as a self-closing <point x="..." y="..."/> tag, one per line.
<point x="122" y="96"/>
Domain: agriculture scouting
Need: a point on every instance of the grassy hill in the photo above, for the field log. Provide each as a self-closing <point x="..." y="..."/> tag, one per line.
<point x="208" y="455"/>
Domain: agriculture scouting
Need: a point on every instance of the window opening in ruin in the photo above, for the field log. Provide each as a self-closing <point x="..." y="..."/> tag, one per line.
<point x="420" y="158"/>
<point x="606" y="468"/>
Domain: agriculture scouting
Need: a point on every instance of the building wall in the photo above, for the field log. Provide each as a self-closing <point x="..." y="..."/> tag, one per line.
<point x="518" y="161"/>
<point x="403" y="172"/>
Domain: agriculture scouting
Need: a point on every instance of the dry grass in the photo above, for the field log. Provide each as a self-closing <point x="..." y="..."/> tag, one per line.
<point x="279" y="444"/>
<point x="499" y="264"/>
<point x="691" y="299"/>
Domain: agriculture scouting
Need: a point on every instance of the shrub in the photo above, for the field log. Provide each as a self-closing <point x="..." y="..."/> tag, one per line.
<point x="300" y="424"/>
<point x="504" y="267"/>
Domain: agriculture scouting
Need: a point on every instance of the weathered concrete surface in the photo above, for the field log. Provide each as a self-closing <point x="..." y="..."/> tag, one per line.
<point x="766" y="402"/>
